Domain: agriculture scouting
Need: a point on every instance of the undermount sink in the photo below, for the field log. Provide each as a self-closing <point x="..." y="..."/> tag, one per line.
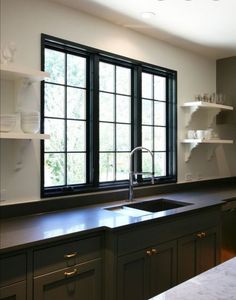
<point x="157" y="205"/>
<point x="138" y="209"/>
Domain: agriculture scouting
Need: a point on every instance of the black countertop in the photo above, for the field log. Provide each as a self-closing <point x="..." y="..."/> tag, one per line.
<point x="22" y="232"/>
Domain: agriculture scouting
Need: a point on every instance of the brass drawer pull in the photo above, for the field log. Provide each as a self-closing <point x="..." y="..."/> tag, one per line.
<point x="72" y="273"/>
<point x="154" y="251"/>
<point x="199" y="235"/>
<point x="149" y="253"/>
<point x="70" y="255"/>
<point x="203" y="234"/>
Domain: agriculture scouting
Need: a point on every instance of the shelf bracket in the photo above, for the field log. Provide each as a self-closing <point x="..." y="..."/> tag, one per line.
<point x="189" y="114"/>
<point x="211" y="150"/>
<point x="188" y="152"/>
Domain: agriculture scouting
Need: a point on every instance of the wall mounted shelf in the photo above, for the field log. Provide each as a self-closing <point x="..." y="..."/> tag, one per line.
<point x="23" y="136"/>
<point x="191" y="144"/>
<point x="15" y="72"/>
<point x="213" y="110"/>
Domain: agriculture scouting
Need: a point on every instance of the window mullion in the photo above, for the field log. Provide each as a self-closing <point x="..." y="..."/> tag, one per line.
<point x="137" y="105"/>
<point x="65" y="116"/>
<point x="94" y="101"/>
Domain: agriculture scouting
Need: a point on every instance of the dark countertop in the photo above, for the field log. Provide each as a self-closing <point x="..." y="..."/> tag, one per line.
<point x="22" y="232"/>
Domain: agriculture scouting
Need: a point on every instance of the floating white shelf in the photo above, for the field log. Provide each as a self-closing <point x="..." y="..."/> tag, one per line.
<point x="23" y="136"/>
<point x="15" y="72"/>
<point x="210" y="141"/>
<point x="199" y="104"/>
<point x="191" y="144"/>
<point x="212" y="109"/>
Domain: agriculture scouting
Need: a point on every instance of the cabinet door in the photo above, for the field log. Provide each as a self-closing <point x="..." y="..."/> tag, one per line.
<point x="132" y="276"/>
<point x="187" y="253"/>
<point x="197" y="253"/>
<point x="79" y="282"/>
<point x="208" y="250"/>
<point x="16" y="291"/>
<point x="162" y="274"/>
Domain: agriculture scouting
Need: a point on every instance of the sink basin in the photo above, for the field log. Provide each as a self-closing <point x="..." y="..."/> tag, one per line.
<point x="157" y="205"/>
<point x="128" y="211"/>
<point x="138" y="209"/>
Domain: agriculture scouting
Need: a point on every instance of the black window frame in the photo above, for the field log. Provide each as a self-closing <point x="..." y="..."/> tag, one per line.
<point x="92" y="114"/>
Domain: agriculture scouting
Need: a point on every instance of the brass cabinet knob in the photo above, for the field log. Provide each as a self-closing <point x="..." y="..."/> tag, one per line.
<point x="203" y="234"/>
<point x="71" y="255"/>
<point x="199" y="235"/>
<point x="149" y="253"/>
<point x="154" y="251"/>
<point x="72" y="273"/>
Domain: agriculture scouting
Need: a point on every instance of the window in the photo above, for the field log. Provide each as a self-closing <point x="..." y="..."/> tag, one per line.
<point x="97" y="107"/>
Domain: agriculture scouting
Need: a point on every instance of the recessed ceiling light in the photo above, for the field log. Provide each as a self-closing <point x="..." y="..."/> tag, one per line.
<point x="147" y="15"/>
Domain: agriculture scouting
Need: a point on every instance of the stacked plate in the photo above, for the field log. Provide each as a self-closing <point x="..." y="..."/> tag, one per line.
<point x="7" y="122"/>
<point x="30" y="122"/>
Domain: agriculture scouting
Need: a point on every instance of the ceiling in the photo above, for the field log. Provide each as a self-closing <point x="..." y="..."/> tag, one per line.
<point x="207" y="27"/>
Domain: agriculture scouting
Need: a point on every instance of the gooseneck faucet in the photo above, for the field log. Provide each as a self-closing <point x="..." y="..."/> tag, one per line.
<point x="132" y="173"/>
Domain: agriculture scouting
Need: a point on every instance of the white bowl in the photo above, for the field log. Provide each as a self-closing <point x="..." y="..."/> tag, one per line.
<point x="7" y="122"/>
<point x="30" y="127"/>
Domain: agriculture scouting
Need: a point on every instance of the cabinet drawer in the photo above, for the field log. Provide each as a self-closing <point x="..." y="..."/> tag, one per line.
<point x="150" y="234"/>
<point x="66" y="255"/>
<point x="12" y="269"/>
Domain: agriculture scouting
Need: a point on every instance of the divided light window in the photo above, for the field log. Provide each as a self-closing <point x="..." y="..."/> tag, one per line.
<point x="97" y="107"/>
<point x="114" y="122"/>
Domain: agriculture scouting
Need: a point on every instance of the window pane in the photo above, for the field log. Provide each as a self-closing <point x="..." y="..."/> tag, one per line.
<point x="56" y="129"/>
<point x="147" y="137"/>
<point x="106" y="167"/>
<point x="106" y="107"/>
<point x="122" y="166"/>
<point x="146" y="163"/>
<point x="160" y="139"/>
<point x="159" y="88"/>
<point x="76" y="103"/>
<point x="54" y="169"/>
<point x="122" y="137"/>
<point x="76" y="168"/>
<point x="123" y="109"/>
<point x="147" y="112"/>
<point x="106" y="77"/>
<point x="106" y="137"/>
<point x="123" y="80"/>
<point x="147" y="86"/>
<point x="76" y="136"/>
<point x="54" y="100"/>
<point x="76" y="71"/>
<point x="160" y="164"/>
<point x="160" y="113"/>
<point x="55" y="66"/>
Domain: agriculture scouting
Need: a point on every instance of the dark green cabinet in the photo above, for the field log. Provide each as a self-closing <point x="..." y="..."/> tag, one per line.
<point x="146" y="273"/>
<point x="197" y="253"/>
<point x="79" y="282"/>
<point x="13" y="277"/>
<point x="16" y="291"/>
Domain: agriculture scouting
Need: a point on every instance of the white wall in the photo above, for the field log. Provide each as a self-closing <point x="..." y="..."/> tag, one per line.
<point x="22" y="21"/>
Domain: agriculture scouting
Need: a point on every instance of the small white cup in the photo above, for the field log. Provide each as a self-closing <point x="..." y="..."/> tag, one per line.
<point x="191" y="134"/>
<point x="200" y="134"/>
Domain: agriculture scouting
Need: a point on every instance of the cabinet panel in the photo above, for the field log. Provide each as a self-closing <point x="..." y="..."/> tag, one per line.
<point x="162" y="268"/>
<point x="187" y="252"/>
<point x="67" y="254"/>
<point x="84" y="284"/>
<point x="9" y="273"/>
<point x="197" y="253"/>
<point x="208" y="250"/>
<point x="132" y="276"/>
<point x="15" y="291"/>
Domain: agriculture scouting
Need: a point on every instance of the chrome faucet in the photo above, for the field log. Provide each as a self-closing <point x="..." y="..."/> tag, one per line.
<point x="132" y="173"/>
